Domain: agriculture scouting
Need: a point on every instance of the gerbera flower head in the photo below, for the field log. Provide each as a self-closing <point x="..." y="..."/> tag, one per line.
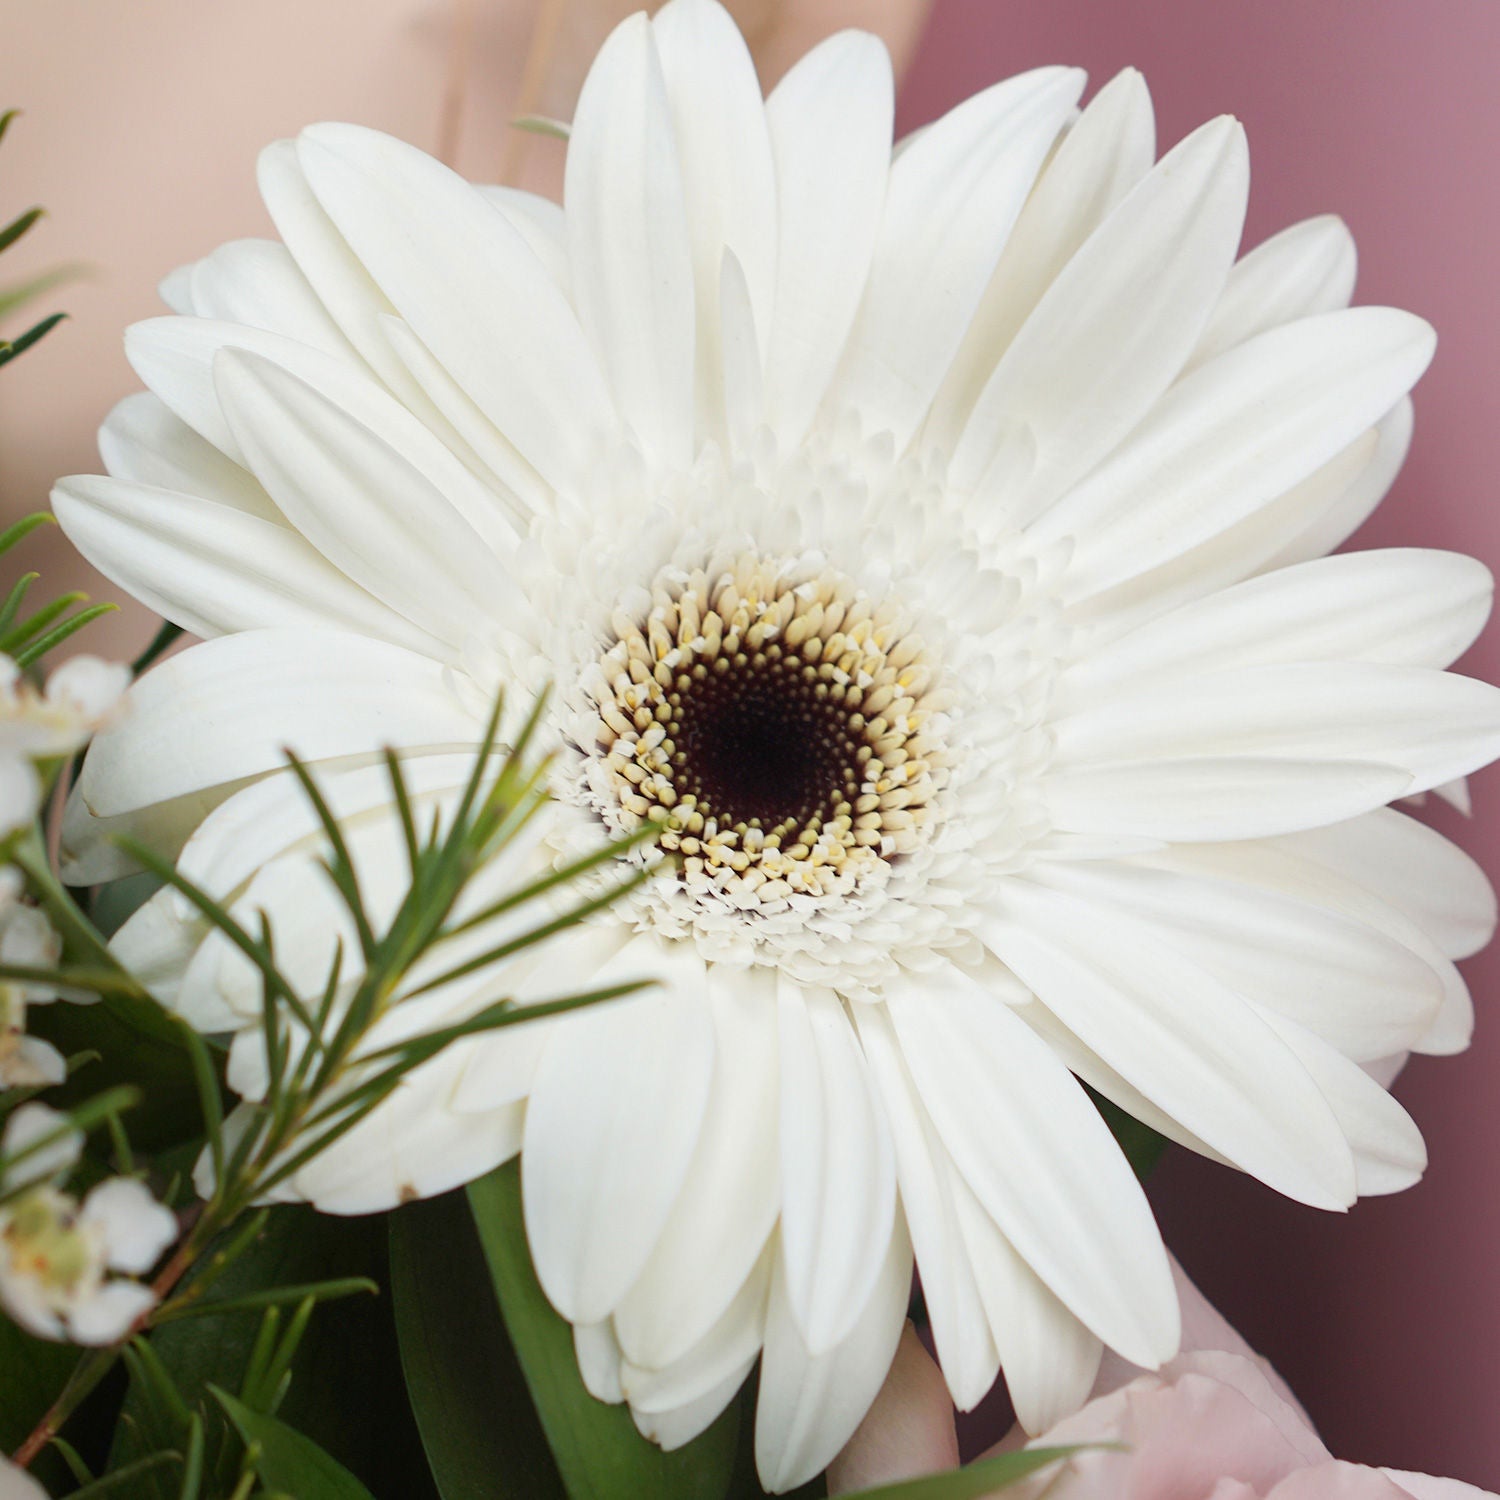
<point x="931" y="545"/>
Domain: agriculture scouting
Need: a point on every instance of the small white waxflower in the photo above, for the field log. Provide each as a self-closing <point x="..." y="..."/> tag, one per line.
<point x="933" y="545"/>
<point x="27" y="939"/>
<point x="56" y="1254"/>
<point x="79" y="698"/>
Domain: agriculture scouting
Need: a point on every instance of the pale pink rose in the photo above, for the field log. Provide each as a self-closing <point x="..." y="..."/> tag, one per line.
<point x="1216" y="1423"/>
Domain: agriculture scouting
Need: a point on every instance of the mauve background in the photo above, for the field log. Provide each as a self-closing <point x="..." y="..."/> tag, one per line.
<point x="143" y="119"/>
<point x="1385" y="1321"/>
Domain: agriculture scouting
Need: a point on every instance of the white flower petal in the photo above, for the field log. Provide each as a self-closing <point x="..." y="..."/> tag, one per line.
<point x="216" y="570"/>
<point x="1186" y="1041"/>
<point x="1254" y="544"/>
<point x="1403" y="606"/>
<point x="673" y="1428"/>
<point x="1307" y="269"/>
<point x="1332" y="525"/>
<point x="107" y="1315"/>
<point x="1049" y="1357"/>
<point x="728" y="174"/>
<point x="144" y="443"/>
<point x="599" y="1361"/>
<point x="613" y="1120"/>
<point x="728" y="1348"/>
<point x="954" y="195"/>
<point x="1433" y="725"/>
<point x="33" y="1063"/>
<point x="1442" y="889"/>
<point x="1206" y="797"/>
<point x="539" y="221"/>
<point x="715" y="1230"/>
<point x="985" y="1080"/>
<point x="20" y="792"/>
<point x="24" y="1128"/>
<point x="1389" y="1153"/>
<point x="331" y="268"/>
<point x="1101" y="156"/>
<point x="830" y="120"/>
<point x="810" y="1404"/>
<point x="628" y="242"/>
<point x="1350" y="982"/>
<point x="354" y="493"/>
<point x="137" y="1229"/>
<point x="966" y="1346"/>
<point x="228" y="709"/>
<point x="1364" y="894"/>
<point x="1232" y="436"/>
<point x="471" y="289"/>
<point x="838" y="1171"/>
<point x="1114" y="329"/>
<point x="257" y="282"/>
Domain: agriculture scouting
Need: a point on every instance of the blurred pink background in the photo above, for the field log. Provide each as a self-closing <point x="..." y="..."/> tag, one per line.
<point x="1386" y="1322"/>
<point x="143" y="121"/>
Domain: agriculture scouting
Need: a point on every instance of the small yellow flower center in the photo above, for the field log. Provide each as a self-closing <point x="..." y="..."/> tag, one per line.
<point x="42" y="1241"/>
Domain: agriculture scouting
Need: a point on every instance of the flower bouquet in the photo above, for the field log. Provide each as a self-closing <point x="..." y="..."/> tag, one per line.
<point x="760" y="743"/>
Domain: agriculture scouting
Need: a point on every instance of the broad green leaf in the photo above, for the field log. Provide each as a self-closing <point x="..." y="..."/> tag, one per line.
<point x="971" y="1482"/>
<point x="288" y="1461"/>
<point x="598" y="1451"/>
<point x="468" y="1394"/>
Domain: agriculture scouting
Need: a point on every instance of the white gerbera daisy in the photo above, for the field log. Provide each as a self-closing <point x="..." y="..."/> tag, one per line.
<point x="934" y="547"/>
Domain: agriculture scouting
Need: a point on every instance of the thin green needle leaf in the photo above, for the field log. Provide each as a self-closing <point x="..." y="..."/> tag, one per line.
<point x="316" y="1291"/>
<point x="209" y="1099"/>
<point x="403" y="807"/>
<point x="192" y="1472"/>
<point x="345" y="877"/>
<point x="538" y="934"/>
<point x="18" y="226"/>
<point x="160" y="642"/>
<point x="13" y="600"/>
<point x="95" y="981"/>
<point x="125" y="1478"/>
<point x="543" y="125"/>
<point x="568" y="873"/>
<point x="159" y="1382"/>
<point x="10" y="349"/>
<point x="59" y="633"/>
<point x="74" y="1460"/>
<point x="41" y="620"/>
<point x="23" y="528"/>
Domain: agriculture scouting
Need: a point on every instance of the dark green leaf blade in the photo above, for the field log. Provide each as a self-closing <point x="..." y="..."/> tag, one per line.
<point x="287" y="1461"/>
<point x="598" y="1451"/>
<point x="482" y="1437"/>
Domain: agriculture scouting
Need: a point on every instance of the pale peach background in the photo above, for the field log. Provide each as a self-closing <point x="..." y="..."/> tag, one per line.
<point x="1386" y="1322"/>
<point x="144" y="117"/>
